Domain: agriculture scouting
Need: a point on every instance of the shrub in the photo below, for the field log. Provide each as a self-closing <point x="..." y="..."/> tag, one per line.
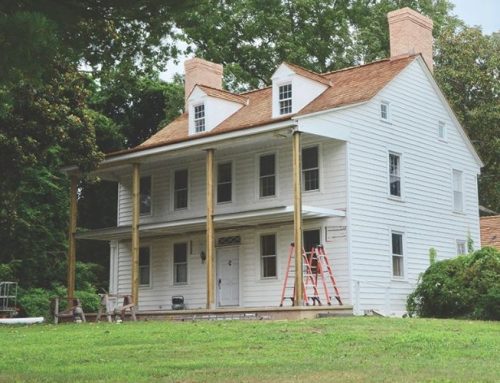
<point x="34" y="302"/>
<point x="465" y="286"/>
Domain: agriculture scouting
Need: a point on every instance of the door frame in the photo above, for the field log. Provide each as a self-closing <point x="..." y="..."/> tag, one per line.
<point x="237" y="249"/>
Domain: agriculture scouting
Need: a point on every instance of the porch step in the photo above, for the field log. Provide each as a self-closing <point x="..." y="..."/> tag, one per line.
<point x="216" y="317"/>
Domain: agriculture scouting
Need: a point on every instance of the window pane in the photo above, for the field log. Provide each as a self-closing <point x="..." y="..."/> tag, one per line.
<point x="311" y="180"/>
<point x="310" y="158"/>
<point x="144" y="275"/>
<point x="145" y="195"/>
<point x="269" y="267"/>
<point x="267" y="165"/>
<point x="180" y="273"/>
<point x="461" y="248"/>
<point x="181" y="189"/>
<point x="144" y="265"/>
<point x="143" y="256"/>
<point x="395" y="186"/>
<point x="397" y="244"/>
<point x="384" y="111"/>
<point x="224" y="172"/>
<point x="394" y="174"/>
<point x="224" y="193"/>
<point x="311" y="238"/>
<point x="285" y="91"/>
<point x="397" y="266"/>
<point x="268" y="244"/>
<point x="181" y="179"/>
<point x="180" y="252"/>
<point x="267" y="186"/>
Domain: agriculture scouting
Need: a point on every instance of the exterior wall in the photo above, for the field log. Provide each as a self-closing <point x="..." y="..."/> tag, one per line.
<point x="254" y="290"/>
<point x="332" y="192"/>
<point x="425" y="212"/>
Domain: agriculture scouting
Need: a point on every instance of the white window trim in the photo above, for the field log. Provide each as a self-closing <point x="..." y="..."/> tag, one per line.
<point x="284" y="83"/>
<point x="172" y="190"/>
<point x="388" y="108"/>
<point x="404" y="257"/>
<point x="401" y="177"/>
<point x="150" y="285"/>
<point x="197" y="119"/>
<point x="233" y="174"/>
<point x="462" y="179"/>
<point x="320" y="168"/>
<point x="260" y="269"/>
<point x="150" y="214"/>
<point x="445" y="131"/>
<point x="257" y="175"/>
<point x="460" y="242"/>
<point x="187" y="242"/>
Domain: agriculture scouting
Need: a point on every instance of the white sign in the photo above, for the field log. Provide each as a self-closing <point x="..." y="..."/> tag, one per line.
<point x="332" y="232"/>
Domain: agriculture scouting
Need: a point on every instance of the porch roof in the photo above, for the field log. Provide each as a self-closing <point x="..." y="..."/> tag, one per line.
<point x="246" y="218"/>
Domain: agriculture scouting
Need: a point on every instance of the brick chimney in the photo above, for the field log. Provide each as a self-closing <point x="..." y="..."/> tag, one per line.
<point x="201" y="72"/>
<point x="410" y="33"/>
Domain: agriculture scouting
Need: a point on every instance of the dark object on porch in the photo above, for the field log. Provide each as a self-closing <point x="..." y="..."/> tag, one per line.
<point x="109" y="307"/>
<point x="73" y="310"/>
<point x="178" y="303"/>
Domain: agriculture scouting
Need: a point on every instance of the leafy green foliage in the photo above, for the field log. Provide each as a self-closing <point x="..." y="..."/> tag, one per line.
<point x="466" y="286"/>
<point x="35" y="302"/>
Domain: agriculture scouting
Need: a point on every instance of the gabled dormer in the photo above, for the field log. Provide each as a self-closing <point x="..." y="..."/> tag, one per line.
<point x="295" y="87"/>
<point x="207" y="107"/>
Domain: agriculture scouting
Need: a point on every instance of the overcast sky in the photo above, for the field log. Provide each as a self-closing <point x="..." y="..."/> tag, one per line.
<point x="483" y="13"/>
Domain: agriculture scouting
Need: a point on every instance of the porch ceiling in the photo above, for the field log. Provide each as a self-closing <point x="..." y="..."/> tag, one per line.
<point x="280" y="214"/>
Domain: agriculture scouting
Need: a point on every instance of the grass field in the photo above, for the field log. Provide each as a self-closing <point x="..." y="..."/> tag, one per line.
<point x="322" y="350"/>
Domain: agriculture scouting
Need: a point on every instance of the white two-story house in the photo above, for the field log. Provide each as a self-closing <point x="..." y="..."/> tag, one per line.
<point x="369" y="161"/>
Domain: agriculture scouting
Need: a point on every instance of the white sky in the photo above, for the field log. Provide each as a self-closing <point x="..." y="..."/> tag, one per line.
<point x="483" y="13"/>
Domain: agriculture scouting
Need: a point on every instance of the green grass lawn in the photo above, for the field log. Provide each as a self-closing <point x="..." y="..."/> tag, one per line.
<point x="321" y="350"/>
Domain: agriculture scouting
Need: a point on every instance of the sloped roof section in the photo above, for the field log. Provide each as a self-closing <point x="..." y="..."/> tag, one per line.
<point x="309" y="74"/>
<point x="490" y="231"/>
<point x="348" y="86"/>
<point x="223" y="94"/>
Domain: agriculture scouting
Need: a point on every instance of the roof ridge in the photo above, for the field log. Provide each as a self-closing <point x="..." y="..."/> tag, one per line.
<point x="370" y="63"/>
<point x="319" y="76"/>
<point x="255" y="90"/>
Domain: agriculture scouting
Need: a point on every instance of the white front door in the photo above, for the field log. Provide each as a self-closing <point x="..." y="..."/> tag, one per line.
<point x="228" y="277"/>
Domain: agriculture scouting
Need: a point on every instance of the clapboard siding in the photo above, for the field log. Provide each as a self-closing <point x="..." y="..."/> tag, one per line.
<point x="425" y="214"/>
<point x="254" y="291"/>
<point x="332" y="192"/>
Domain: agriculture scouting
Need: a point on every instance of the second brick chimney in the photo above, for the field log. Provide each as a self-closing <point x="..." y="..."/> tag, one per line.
<point x="201" y="72"/>
<point x="410" y="33"/>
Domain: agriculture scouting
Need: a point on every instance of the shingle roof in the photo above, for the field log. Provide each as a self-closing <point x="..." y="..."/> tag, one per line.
<point x="224" y="94"/>
<point x="490" y="231"/>
<point x="348" y="86"/>
<point x="309" y="74"/>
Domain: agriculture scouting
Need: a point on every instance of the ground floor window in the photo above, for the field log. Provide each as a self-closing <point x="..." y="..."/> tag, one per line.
<point x="311" y="239"/>
<point x="461" y="247"/>
<point x="397" y="254"/>
<point x="144" y="266"/>
<point x="268" y="255"/>
<point x="180" y="263"/>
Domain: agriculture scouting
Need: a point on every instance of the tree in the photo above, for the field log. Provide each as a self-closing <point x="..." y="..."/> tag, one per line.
<point x="252" y="37"/>
<point x="467" y="70"/>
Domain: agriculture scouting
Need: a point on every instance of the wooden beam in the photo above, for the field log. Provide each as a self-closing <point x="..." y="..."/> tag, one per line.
<point x="210" y="230"/>
<point x="297" y="217"/>
<point x="73" y="211"/>
<point x="136" y="179"/>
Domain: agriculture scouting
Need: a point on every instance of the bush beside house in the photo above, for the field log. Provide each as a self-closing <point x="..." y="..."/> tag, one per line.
<point x="466" y="286"/>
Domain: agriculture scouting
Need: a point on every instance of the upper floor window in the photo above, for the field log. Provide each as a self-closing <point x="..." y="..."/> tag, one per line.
<point x="397" y="254"/>
<point x="384" y="111"/>
<point x="395" y="174"/>
<point x="144" y="266"/>
<point x="181" y="189"/>
<point x="268" y="255"/>
<point x="285" y="98"/>
<point x="267" y="175"/>
<point x="199" y="118"/>
<point x="442" y="130"/>
<point x="224" y="182"/>
<point x="310" y="168"/>
<point x="458" y="197"/>
<point x="145" y="195"/>
<point x="180" y="263"/>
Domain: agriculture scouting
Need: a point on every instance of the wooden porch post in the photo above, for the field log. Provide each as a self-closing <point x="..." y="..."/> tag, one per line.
<point x="210" y="230"/>
<point x="71" y="236"/>
<point x="135" y="231"/>
<point x="297" y="218"/>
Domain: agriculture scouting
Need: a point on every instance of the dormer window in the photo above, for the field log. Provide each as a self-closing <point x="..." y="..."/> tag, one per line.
<point x="199" y="118"/>
<point x="285" y="99"/>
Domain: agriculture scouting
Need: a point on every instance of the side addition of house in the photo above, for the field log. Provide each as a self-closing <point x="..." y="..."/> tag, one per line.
<point x="369" y="162"/>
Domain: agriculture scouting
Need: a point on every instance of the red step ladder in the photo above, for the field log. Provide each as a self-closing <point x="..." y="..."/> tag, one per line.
<point x="309" y="284"/>
<point x="325" y="273"/>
